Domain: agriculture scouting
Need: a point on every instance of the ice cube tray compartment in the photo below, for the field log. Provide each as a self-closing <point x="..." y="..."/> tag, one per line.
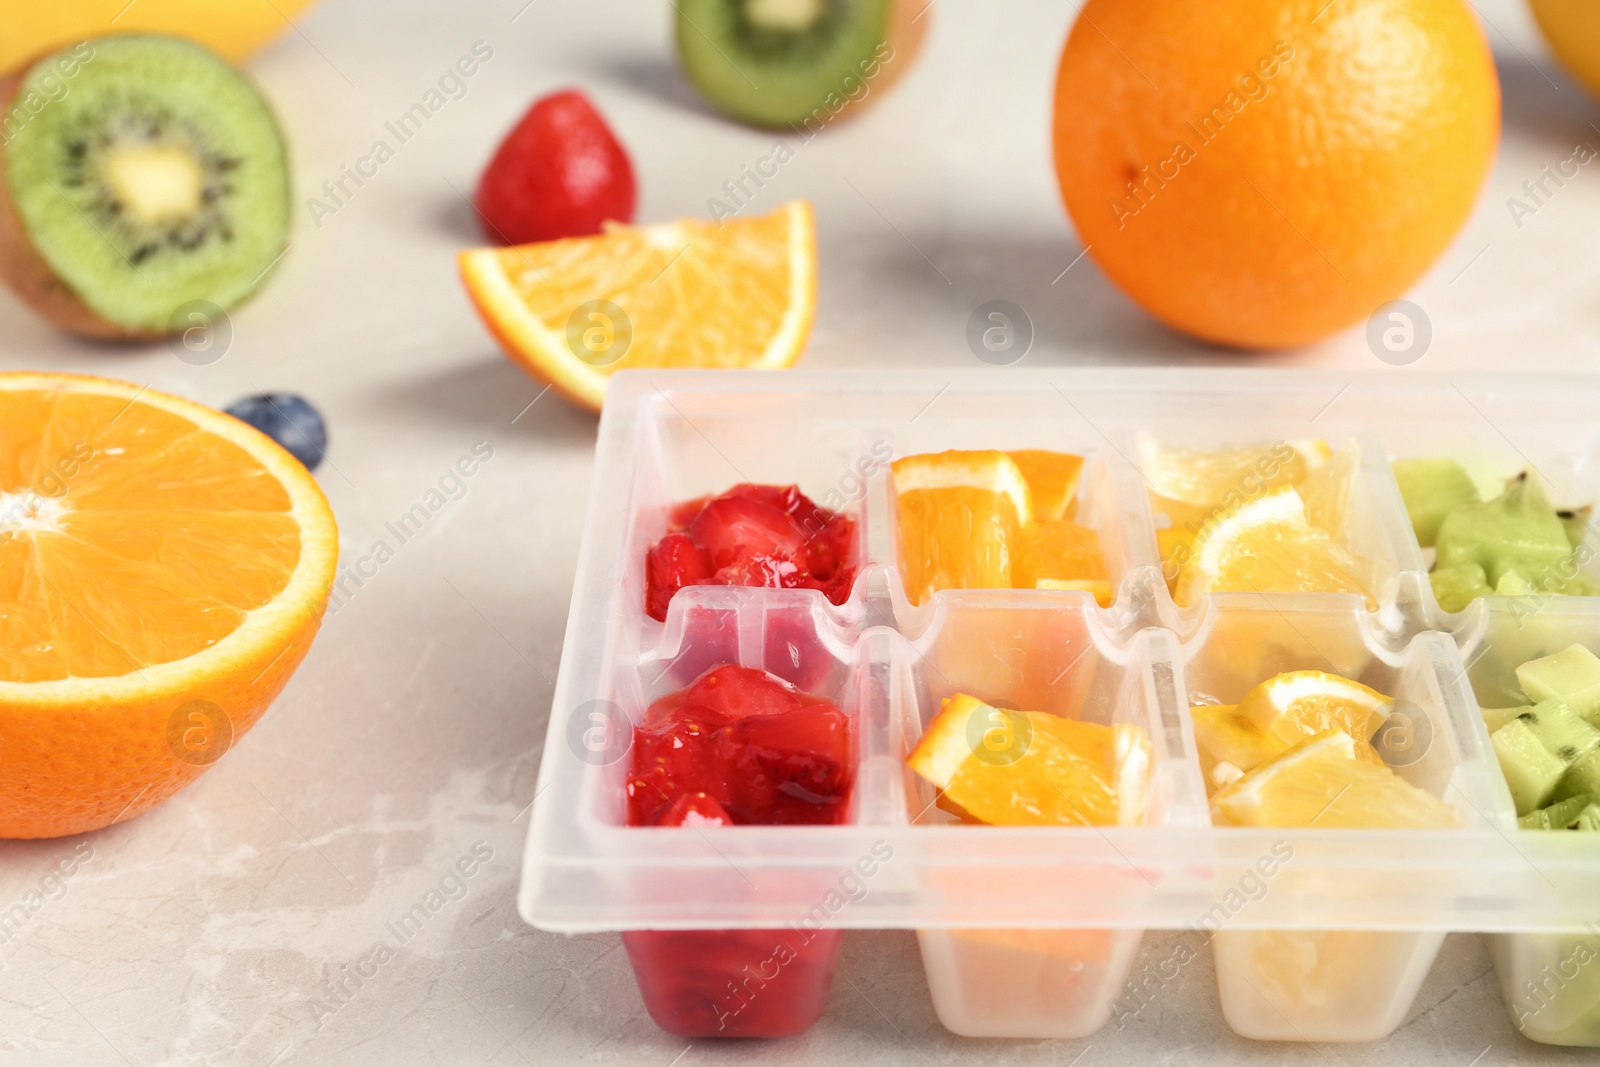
<point x="667" y="437"/>
<point x="1336" y="985"/>
<point x="1052" y="655"/>
<point x="1550" y="981"/>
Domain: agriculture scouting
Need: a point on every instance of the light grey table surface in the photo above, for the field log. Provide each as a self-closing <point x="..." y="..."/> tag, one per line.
<point x="205" y="931"/>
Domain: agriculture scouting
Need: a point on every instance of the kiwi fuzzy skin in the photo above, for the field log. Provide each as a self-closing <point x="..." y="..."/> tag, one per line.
<point x="25" y="270"/>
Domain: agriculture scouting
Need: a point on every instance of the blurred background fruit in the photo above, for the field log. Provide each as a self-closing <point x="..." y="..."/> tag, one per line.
<point x="560" y="172"/>
<point x="234" y="28"/>
<point x="1263" y="173"/>
<point x="741" y="293"/>
<point x="143" y="182"/>
<point x="1573" y="29"/>
<point x="797" y="64"/>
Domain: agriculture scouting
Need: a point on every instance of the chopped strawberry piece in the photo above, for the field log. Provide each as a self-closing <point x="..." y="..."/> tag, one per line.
<point x="731" y="692"/>
<point x="731" y="527"/>
<point x="672" y="563"/>
<point x="762" y="536"/>
<point x="743" y="747"/>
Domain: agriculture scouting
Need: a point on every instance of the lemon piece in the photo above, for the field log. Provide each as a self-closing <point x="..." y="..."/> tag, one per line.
<point x="1266" y="545"/>
<point x="1323" y="783"/>
<point x="1301" y="704"/>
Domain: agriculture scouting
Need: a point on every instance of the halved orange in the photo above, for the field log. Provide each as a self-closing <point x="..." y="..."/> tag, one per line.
<point x="163" y="569"/>
<point x="691" y="293"/>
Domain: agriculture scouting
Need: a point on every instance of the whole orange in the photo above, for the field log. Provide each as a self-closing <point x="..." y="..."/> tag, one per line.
<point x="1262" y="173"/>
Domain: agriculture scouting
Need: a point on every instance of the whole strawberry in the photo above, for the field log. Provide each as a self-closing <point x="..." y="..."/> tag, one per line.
<point x="559" y="173"/>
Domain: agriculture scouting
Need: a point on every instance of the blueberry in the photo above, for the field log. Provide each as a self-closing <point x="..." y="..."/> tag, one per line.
<point x="289" y="420"/>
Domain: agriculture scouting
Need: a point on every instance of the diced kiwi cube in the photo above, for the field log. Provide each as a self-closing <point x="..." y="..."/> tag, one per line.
<point x="1494" y="718"/>
<point x="1531" y="770"/>
<point x="1512" y="583"/>
<point x="1518" y="530"/>
<point x="1431" y="489"/>
<point x="1572" y="675"/>
<point x="1557" y="816"/>
<point x="1582" y="777"/>
<point x="1457" y="586"/>
<point x="1560" y="729"/>
<point x="1576" y="522"/>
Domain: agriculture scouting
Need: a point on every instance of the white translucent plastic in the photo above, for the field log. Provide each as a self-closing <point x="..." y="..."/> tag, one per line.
<point x="1029" y="931"/>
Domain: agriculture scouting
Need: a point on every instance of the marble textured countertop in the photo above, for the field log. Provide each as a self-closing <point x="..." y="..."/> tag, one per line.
<point x="250" y="920"/>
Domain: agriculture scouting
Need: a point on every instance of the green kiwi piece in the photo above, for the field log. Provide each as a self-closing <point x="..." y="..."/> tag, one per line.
<point x="784" y="63"/>
<point x="1516" y="531"/>
<point x="1431" y="489"/>
<point x="153" y="177"/>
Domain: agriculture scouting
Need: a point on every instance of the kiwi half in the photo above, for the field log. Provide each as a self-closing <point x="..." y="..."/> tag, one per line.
<point x="151" y="175"/>
<point x="796" y="64"/>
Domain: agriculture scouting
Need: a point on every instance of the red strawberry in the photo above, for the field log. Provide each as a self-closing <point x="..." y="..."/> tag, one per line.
<point x="559" y="173"/>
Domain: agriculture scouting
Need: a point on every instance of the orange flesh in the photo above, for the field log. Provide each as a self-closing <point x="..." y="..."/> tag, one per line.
<point x="108" y="562"/>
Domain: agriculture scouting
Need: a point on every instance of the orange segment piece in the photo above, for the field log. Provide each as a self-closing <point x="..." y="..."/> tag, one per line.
<point x="154" y="553"/>
<point x="1052" y="479"/>
<point x="961" y="516"/>
<point x="691" y="293"/>
<point x="1059" y="551"/>
<point x="990" y="520"/>
<point x="1026" y="768"/>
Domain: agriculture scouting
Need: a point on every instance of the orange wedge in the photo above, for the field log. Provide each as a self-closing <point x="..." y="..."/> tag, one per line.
<point x="1266" y="545"/>
<point x="163" y="569"/>
<point x="961" y="516"/>
<point x="740" y="293"/>
<point x="1052" y="479"/>
<point x="1026" y="768"/>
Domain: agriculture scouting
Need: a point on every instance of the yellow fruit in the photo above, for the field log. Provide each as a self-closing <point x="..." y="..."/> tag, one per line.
<point x="1026" y="768"/>
<point x="739" y="293"/>
<point x="1326" y="490"/>
<point x="1230" y="737"/>
<point x="1222" y="477"/>
<point x="235" y="28"/>
<point x="1266" y="545"/>
<point x="1298" y="705"/>
<point x="1052" y="480"/>
<point x="1573" y="29"/>
<point x="1324" y="783"/>
<point x="163" y="569"/>
<point x="961" y="516"/>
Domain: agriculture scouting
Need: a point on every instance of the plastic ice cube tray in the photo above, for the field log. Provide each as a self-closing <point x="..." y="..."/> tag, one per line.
<point x="1030" y="932"/>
